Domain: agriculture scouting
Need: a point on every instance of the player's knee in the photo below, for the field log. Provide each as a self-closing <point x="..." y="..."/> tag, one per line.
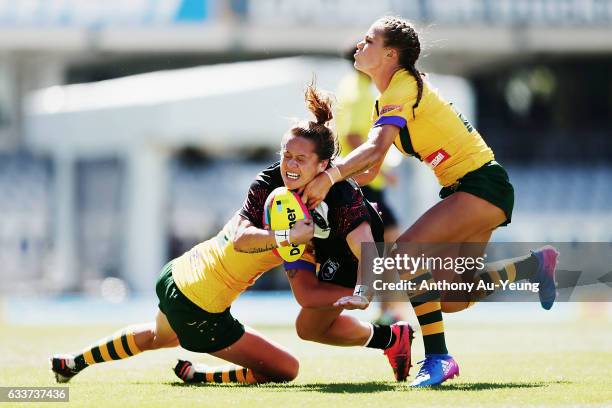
<point x="308" y="332"/>
<point x="145" y="339"/>
<point x="301" y="328"/>
<point x="453" y="301"/>
<point x="453" y="307"/>
<point x="289" y="370"/>
<point x="162" y="341"/>
<point x="303" y="332"/>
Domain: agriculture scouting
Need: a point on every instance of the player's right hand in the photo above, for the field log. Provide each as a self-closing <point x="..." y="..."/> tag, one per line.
<point x="316" y="190"/>
<point x="302" y="232"/>
<point x="352" y="302"/>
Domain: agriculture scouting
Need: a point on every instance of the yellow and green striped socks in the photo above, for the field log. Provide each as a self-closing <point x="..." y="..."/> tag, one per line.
<point x="426" y="304"/>
<point x="203" y="374"/>
<point x="510" y="270"/>
<point x="116" y="347"/>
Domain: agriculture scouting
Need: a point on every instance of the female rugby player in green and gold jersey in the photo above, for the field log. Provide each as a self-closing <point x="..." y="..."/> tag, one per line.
<point x="477" y="195"/>
<point x="196" y="290"/>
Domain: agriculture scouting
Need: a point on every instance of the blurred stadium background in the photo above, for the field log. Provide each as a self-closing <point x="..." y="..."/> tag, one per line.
<point x="131" y="129"/>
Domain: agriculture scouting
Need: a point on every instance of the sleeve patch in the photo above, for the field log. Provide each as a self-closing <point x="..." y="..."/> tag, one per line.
<point x="391" y="120"/>
<point x="389" y="108"/>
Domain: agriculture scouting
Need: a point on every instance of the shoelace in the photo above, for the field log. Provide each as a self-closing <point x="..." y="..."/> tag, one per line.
<point x="428" y="364"/>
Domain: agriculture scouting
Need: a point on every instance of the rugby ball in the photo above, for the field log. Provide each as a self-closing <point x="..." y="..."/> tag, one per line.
<point x="282" y="210"/>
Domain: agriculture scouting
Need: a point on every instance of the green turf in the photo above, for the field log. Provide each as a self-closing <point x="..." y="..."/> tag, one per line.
<point x="501" y="365"/>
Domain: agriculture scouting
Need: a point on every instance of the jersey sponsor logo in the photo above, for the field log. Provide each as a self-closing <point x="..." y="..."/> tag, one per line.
<point x="328" y="270"/>
<point x="389" y="108"/>
<point x="436" y="158"/>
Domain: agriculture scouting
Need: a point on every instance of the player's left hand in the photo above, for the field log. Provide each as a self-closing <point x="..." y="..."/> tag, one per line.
<point x="352" y="302"/>
<point x="316" y="190"/>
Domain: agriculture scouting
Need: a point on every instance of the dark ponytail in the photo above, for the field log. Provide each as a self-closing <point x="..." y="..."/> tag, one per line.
<point x="419" y="79"/>
<point x="320" y="105"/>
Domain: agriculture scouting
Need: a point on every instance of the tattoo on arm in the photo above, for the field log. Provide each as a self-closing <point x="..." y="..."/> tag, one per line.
<point x="259" y="250"/>
<point x="291" y="273"/>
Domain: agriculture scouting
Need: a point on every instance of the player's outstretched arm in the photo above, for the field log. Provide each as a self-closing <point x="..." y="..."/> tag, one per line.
<point x="361" y="295"/>
<point x="250" y="239"/>
<point x="366" y="156"/>
<point x="367" y="176"/>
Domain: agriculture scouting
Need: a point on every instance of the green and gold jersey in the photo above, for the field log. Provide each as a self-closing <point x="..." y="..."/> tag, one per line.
<point x="435" y="133"/>
<point x="213" y="274"/>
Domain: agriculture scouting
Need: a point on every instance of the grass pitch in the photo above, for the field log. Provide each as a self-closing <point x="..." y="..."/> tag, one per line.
<point x="557" y="364"/>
